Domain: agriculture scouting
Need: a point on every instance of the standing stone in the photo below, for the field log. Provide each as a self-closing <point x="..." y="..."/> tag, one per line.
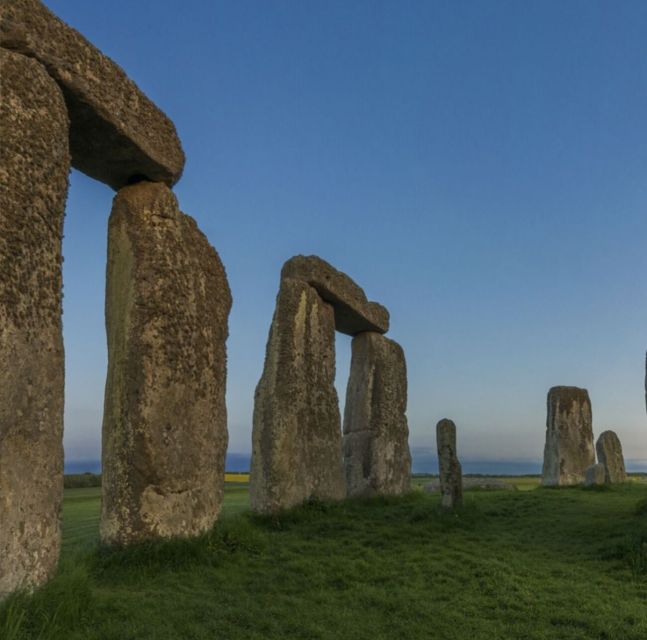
<point x="165" y="421"/>
<point x="116" y="132"/>
<point x="609" y="452"/>
<point x="376" y="448"/>
<point x="569" y="437"/>
<point x="594" y="475"/>
<point x="34" y="167"/>
<point x="296" y="440"/>
<point x="449" y="468"/>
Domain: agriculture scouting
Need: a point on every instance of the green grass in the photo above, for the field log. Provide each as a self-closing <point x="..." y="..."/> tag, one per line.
<point x="536" y="564"/>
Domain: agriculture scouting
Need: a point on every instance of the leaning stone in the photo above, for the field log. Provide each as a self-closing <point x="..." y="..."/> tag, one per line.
<point x="296" y="439"/>
<point x="165" y="420"/>
<point x="34" y="167"/>
<point x="353" y="312"/>
<point x="609" y="452"/>
<point x="449" y="468"/>
<point x="116" y="133"/>
<point x="376" y="448"/>
<point x="569" y="437"/>
<point x="594" y="475"/>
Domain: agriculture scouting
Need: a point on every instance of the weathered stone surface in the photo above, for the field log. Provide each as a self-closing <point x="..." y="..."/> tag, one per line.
<point x="594" y="475"/>
<point x="449" y="468"/>
<point x="569" y="436"/>
<point x="116" y="132"/>
<point x="165" y="422"/>
<point x="34" y="167"/>
<point x="353" y="312"/>
<point x="609" y="452"/>
<point x="376" y="447"/>
<point x="296" y="440"/>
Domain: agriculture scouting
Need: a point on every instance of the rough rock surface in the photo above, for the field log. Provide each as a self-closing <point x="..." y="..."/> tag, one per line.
<point x="296" y="440"/>
<point x="609" y="452"/>
<point x="34" y="168"/>
<point x="594" y="475"/>
<point x="376" y="448"/>
<point x="116" y="132"/>
<point x="353" y="312"/>
<point x="569" y="436"/>
<point x="449" y="468"/>
<point x="165" y="421"/>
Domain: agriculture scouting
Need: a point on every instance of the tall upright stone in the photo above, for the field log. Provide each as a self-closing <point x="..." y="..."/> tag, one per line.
<point x="165" y="422"/>
<point x="449" y="468"/>
<point x="34" y="167"/>
<point x="376" y="449"/>
<point x="116" y="132"/>
<point x="609" y="452"/>
<point x="296" y="440"/>
<point x="569" y="437"/>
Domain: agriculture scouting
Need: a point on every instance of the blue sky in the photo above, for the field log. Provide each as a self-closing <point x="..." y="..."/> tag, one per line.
<point x="478" y="167"/>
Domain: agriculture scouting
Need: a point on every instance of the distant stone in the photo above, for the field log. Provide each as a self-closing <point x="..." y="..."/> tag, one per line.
<point x="165" y="420"/>
<point x="449" y="468"/>
<point x="296" y="438"/>
<point x="353" y="312"/>
<point x="117" y="135"/>
<point x="569" y="437"/>
<point x="609" y="452"/>
<point x="594" y="475"/>
<point x="376" y="448"/>
<point x="34" y="168"/>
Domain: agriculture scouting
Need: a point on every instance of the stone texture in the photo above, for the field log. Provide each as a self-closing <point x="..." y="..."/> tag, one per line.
<point x="296" y="440"/>
<point x="353" y="312"/>
<point x="609" y="452"/>
<point x="569" y="436"/>
<point x="449" y="468"/>
<point x="165" y="422"/>
<point x="376" y="449"/>
<point x="34" y="167"/>
<point x="594" y="475"/>
<point x="116" y="132"/>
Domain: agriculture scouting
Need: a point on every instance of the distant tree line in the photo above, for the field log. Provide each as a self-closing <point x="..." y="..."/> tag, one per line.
<point x="81" y="480"/>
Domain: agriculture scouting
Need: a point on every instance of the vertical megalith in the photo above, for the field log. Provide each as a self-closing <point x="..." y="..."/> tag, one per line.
<point x="376" y="448"/>
<point x="34" y="167"/>
<point x="449" y="468"/>
<point x="165" y="422"/>
<point x="296" y="440"/>
<point x="569" y="436"/>
<point x="609" y="452"/>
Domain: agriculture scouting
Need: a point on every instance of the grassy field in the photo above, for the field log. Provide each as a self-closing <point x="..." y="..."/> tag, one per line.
<point x="538" y="563"/>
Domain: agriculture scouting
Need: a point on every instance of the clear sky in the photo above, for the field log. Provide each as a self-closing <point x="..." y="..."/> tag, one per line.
<point x="478" y="167"/>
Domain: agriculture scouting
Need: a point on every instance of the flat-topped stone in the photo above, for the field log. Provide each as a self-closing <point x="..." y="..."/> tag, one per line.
<point x="353" y="312"/>
<point x="377" y="460"/>
<point x="165" y="418"/>
<point x="117" y="135"/>
<point x="568" y="451"/>
<point x="450" y="472"/>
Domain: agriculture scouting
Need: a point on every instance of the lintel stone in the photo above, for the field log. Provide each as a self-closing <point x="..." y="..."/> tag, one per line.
<point x="117" y="135"/>
<point x="353" y="312"/>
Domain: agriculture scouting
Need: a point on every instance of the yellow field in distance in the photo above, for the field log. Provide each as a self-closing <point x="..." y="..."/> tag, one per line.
<point x="236" y="477"/>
